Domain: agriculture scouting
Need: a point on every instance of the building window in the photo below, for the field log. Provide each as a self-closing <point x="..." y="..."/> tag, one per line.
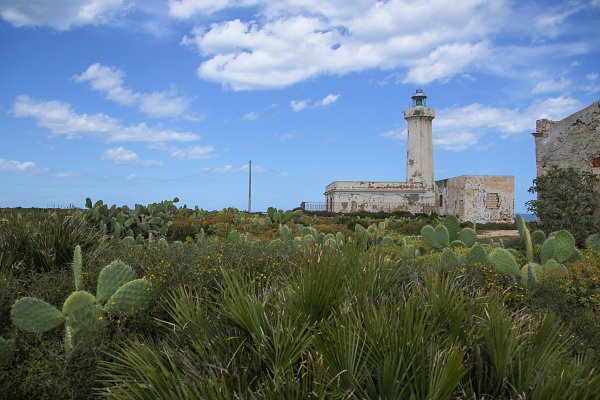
<point x="492" y="201"/>
<point x="441" y="201"/>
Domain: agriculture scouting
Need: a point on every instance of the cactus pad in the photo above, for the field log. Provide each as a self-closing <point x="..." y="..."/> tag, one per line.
<point x="538" y="237"/>
<point x="530" y="273"/>
<point x="457" y="243"/>
<point x="387" y="241"/>
<point x="451" y="223"/>
<point x="285" y="233"/>
<point x="468" y="236"/>
<point x="449" y="260"/>
<point x="525" y="237"/>
<point x="504" y="262"/>
<point x="77" y="268"/>
<point x="83" y="318"/>
<point x="547" y="250"/>
<point x="428" y="235"/>
<point x="34" y="315"/>
<point x="7" y="350"/>
<point x="552" y="265"/>
<point x="564" y="245"/>
<point x="442" y="235"/>
<point x="129" y="298"/>
<point x="477" y="255"/>
<point x="593" y="242"/>
<point x="113" y="276"/>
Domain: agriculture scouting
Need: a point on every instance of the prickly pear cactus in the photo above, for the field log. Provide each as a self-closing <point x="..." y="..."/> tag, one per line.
<point x="449" y="261"/>
<point x="35" y="316"/>
<point x="593" y="242"/>
<point x="552" y="265"/>
<point x="386" y="241"/>
<point x="564" y="245"/>
<point x="477" y="255"/>
<point x="530" y="273"/>
<point x="112" y="277"/>
<point x="547" y="250"/>
<point x="428" y="235"/>
<point x="83" y="318"/>
<point x="7" y="351"/>
<point x="129" y="298"/>
<point x="457" y="243"/>
<point x="442" y="236"/>
<point x="361" y="234"/>
<point x="451" y="223"/>
<point x="468" y="236"/>
<point x="285" y="234"/>
<point x="538" y="237"/>
<point x="504" y="262"/>
<point x="525" y="237"/>
<point x="77" y="268"/>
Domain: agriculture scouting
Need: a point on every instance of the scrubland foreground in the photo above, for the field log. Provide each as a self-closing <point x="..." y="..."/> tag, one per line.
<point x="164" y="302"/>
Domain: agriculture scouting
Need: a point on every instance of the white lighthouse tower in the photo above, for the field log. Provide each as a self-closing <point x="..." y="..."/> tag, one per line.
<point x="419" y="157"/>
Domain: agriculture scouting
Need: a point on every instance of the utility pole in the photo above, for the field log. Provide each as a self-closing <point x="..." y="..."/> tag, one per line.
<point x="250" y="186"/>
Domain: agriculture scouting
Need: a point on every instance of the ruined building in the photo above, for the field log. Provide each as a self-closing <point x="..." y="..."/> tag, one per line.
<point x="572" y="142"/>
<point x="471" y="198"/>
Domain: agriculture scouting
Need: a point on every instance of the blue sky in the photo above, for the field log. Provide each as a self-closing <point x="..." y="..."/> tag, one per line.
<point x="137" y="102"/>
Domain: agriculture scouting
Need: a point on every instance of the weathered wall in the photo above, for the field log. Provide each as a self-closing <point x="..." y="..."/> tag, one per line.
<point x="477" y="198"/>
<point x="353" y="196"/>
<point x="572" y="142"/>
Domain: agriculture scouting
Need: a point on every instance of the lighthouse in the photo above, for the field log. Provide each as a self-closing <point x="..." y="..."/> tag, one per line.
<point x="419" y="152"/>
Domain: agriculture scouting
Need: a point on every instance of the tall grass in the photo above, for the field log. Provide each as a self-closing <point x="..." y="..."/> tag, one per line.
<point x="41" y="241"/>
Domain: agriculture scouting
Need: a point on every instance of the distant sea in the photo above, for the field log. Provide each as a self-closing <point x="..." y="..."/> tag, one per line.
<point x="529" y="217"/>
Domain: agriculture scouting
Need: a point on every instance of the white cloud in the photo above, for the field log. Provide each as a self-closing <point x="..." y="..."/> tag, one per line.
<point x="251" y="116"/>
<point x="59" y="14"/>
<point x="395" y="133"/>
<point x="286" y="137"/>
<point x="591" y="76"/>
<point x="299" y="105"/>
<point x="64" y="175"/>
<point x="228" y="168"/>
<point x="109" y="81"/>
<point x="458" y="128"/>
<point x="330" y="99"/>
<point x="120" y="155"/>
<point x="301" y="39"/>
<point x="17" y="166"/>
<point x="193" y="152"/>
<point x="61" y="119"/>
<point x="551" y="85"/>
<point x="445" y="61"/>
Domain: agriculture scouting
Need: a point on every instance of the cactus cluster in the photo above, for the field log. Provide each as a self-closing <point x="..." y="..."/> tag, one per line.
<point x="372" y="235"/>
<point x="449" y="234"/>
<point x="83" y="314"/>
<point x="556" y="249"/>
<point x="140" y="223"/>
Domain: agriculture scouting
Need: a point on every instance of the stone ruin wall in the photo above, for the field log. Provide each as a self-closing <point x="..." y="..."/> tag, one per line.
<point x="348" y="197"/>
<point x="572" y="142"/>
<point x="477" y="198"/>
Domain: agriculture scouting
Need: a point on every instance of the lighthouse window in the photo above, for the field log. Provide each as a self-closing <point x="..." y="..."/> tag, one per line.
<point x="441" y="200"/>
<point x="492" y="201"/>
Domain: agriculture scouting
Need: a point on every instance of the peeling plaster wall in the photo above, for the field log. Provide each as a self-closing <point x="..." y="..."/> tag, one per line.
<point x="572" y="142"/>
<point x="378" y="196"/>
<point x="481" y="198"/>
<point x="419" y="147"/>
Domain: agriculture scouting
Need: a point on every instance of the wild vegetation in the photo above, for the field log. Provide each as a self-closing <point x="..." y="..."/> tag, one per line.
<point x="164" y="301"/>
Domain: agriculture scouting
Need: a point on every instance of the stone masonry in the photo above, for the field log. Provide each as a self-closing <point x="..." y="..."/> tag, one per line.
<point x="572" y="142"/>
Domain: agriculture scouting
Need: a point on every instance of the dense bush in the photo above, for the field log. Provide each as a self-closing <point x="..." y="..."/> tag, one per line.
<point x="567" y="199"/>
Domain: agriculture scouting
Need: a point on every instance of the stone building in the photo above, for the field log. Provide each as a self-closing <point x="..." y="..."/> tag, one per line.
<point x="572" y="142"/>
<point x="471" y="198"/>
